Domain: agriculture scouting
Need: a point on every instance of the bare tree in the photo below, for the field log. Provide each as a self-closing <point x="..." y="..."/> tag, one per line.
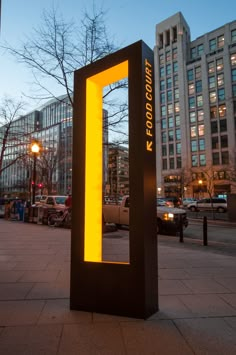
<point x="11" y="136"/>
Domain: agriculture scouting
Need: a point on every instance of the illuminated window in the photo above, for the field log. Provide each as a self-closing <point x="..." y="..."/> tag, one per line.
<point x="191" y="89"/>
<point x="233" y="59"/>
<point x="215" y="143"/>
<point x="170" y="109"/>
<point x="211" y="67"/>
<point x="213" y="112"/>
<point x="222" y="110"/>
<point x="174" y="53"/>
<point x="221" y="94"/>
<point x="193" y="131"/>
<point x="198" y="72"/>
<point x="220" y="79"/>
<point x="215" y="158"/>
<point x="177" y="107"/>
<point x="202" y="159"/>
<point x="199" y="101"/>
<point x="161" y="59"/>
<point x="233" y="36"/>
<point x="212" y="44"/>
<point x="200" y="115"/>
<point x="194" y="146"/>
<point x="171" y="136"/>
<point x="192" y="117"/>
<point x="194" y="160"/>
<point x="219" y="64"/>
<point x="201" y="144"/>
<point x="211" y="82"/>
<point x="220" y="41"/>
<point x="201" y="130"/>
<point x="212" y="97"/>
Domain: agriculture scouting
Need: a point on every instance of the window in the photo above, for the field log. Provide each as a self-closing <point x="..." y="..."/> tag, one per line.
<point x="201" y="130"/>
<point x="191" y="89"/>
<point x="161" y="58"/>
<point x="234" y="90"/>
<point x="162" y="85"/>
<point x="225" y="157"/>
<point x="193" y="131"/>
<point x="194" y="146"/>
<point x="178" y="134"/>
<point x="233" y="74"/>
<point x="169" y="96"/>
<point x="172" y="163"/>
<point x="202" y="159"/>
<point x="168" y="69"/>
<point x="171" y="136"/>
<point x="223" y="125"/>
<point x="175" y="67"/>
<point x="212" y="44"/>
<point x="162" y="72"/>
<point x="170" y="109"/>
<point x="211" y="67"/>
<point x="198" y="72"/>
<point x="215" y="159"/>
<point x="177" y="107"/>
<point x="176" y="94"/>
<point x="221" y="94"/>
<point x="200" y="50"/>
<point x="163" y="98"/>
<point x="176" y="80"/>
<point x="163" y="123"/>
<point x="169" y="83"/>
<point x="170" y="122"/>
<point x="174" y="53"/>
<point x="193" y="52"/>
<point x="177" y="120"/>
<point x="222" y="110"/>
<point x="214" y="127"/>
<point x="215" y="143"/>
<point x="233" y="36"/>
<point x="220" y="79"/>
<point x="224" y="141"/>
<point x="178" y="148"/>
<point x="192" y="117"/>
<point x="178" y="162"/>
<point x="168" y="56"/>
<point x="191" y="102"/>
<point x="171" y="149"/>
<point x="194" y="160"/>
<point x="161" y="40"/>
<point x="164" y="164"/>
<point x="211" y="82"/>
<point x="200" y="115"/>
<point x="212" y="97"/>
<point x="233" y="59"/>
<point x="163" y="111"/>
<point x="219" y="64"/>
<point x="163" y="137"/>
<point x="220" y="41"/>
<point x="164" y="150"/>
<point x="201" y="144"/>
<point x="190" y="75"/>
<point x="213" y="112"/>
<point x="199" y="101"/>
<point x="198" y="86"/>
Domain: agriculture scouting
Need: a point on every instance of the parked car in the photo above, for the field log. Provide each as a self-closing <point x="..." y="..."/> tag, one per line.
<point x="187" y="200"/>
<point x="57" y="202"/>
<point x="176" y="202"/>
<point x="216" y="204"/>
<point x="163" y="202"/>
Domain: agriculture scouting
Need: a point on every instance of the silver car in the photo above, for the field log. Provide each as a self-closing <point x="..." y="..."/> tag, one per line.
<point x="216" y="204"/>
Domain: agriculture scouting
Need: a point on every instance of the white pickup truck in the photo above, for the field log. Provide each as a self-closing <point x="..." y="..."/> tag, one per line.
<point x="168" y="218"/>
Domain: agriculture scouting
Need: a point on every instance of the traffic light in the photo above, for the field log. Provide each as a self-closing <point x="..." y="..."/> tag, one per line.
<point x="40" y="185"/>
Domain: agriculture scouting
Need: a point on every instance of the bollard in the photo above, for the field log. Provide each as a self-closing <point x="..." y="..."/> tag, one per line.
<point x="181" y="236"/>
<point x="205" y="230"/>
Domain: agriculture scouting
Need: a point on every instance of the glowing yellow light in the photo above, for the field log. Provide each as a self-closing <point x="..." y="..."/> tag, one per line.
<point x="35" y="148"/>
<point x="93" y="158"/>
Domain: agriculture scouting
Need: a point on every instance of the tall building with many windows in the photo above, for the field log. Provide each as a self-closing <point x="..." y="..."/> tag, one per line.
<point x="195" y="109"/>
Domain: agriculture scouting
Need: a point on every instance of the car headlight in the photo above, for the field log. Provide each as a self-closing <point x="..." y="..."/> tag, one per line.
<point x="168" y="217"/>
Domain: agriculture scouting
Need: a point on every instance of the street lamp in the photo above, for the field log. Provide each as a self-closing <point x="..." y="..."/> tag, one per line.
<point x="200" y="187"/>
<point x="35" y="148"/>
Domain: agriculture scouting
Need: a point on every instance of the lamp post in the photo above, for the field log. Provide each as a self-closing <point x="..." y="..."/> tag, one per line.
<point x="200" y="187"/>
<point x="35" y="148"/>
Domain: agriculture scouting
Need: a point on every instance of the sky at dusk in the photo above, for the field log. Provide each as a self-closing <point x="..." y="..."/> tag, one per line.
<point x="127" y="21"/>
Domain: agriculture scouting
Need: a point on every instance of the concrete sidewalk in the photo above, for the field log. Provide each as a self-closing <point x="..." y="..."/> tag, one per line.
<point x="197" y="299"/>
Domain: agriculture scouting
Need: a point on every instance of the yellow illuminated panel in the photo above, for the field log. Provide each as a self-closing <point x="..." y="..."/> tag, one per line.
<point x="94" y="156"/>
